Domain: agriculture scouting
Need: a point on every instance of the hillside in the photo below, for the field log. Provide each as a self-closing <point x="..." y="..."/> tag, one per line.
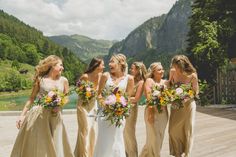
<point x="85" y="47"/>
<point x="22" y="43"/>
<point x="159" y="38"/>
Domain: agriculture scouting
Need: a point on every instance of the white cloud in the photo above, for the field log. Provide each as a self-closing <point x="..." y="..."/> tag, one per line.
<point x="100" y="19"/>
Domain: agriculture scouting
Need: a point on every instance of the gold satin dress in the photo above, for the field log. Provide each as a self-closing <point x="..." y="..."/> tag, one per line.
<point x="87" y="128"/>
<point x="43" y="133"/>
<point x="155" y="133"/>
<point x="131" y="147"/>
<point x="181" y="128"/>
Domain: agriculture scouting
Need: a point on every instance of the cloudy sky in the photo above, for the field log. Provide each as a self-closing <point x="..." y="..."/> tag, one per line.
<point x="99" y="19"/>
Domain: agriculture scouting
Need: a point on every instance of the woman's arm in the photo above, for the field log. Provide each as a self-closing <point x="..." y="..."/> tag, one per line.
<point x="66" y="89"/>
<point x="102" y="82"/>
<point x="148" y="88"/>
<point x="195" y="83"/>
<point x="171" y="75"/>
<point x="138" y="93"/>
<point x="130" y="85"/>
<point x="28" y="103"/>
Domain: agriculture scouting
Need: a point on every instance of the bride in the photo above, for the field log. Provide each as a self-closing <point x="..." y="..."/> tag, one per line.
<point x="110" y="142"/>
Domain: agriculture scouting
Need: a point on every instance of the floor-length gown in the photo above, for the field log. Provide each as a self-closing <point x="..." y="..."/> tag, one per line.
<point x="86" y="128"/>
<point x="110" y="142"/>
<point x="181" y="127"/>
<point x="155" y="132"/>
<point x="43" y="133"/>
<point x="131" y="146"/>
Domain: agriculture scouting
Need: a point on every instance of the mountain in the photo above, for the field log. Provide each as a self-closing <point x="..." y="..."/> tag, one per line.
<point x="85" y="47"/>
<point x="22" y="43"/>
<point x="159" y="38"/>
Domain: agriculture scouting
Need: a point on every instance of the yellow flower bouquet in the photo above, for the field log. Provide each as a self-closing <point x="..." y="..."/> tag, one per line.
<point x="85" y="90"/>
<point x="160" y="97"/>
<point x="115" y="106"/>
<point x="53" y="99"/>
<point x="182" y="93"/>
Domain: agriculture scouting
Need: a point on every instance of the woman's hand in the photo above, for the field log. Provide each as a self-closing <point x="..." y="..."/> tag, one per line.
<point x="20" y="121"/>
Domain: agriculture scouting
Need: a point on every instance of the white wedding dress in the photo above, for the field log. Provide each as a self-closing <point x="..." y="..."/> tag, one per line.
<point x="110" y="142"/>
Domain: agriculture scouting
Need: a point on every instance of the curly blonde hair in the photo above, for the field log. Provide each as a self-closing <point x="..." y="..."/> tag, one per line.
<point x="182" y="62"/>
<point x="152" y="68"/>
<point x="121" y="60"/>
<point x="142" y="71"/>
<point x="45" y="66"/>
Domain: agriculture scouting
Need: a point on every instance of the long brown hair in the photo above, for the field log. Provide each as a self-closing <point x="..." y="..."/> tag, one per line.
<point x="45" y="66"/>
<point x="94" y="63"/>
<point x="142" y="71"/>
<point x="183" y="63"/>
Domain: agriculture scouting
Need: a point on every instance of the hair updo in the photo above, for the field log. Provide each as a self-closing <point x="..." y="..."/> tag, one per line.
<point x="121" y="59"/>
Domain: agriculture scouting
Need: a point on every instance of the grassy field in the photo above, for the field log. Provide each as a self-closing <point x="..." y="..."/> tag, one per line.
<point x="6" y="65"/>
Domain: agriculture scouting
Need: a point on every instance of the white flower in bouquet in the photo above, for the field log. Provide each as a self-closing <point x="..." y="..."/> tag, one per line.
<point x="156" y="93"/>
<point x="179" y="91"/>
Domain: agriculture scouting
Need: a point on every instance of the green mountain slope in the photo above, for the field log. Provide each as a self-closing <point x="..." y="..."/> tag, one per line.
<point x="22" y="43"/>
<point x="159" y="38"/>
<point x="85" y="47"/>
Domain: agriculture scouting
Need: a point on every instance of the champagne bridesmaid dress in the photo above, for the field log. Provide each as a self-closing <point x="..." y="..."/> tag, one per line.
<point x="42" y="133"/>
<point x="131" y="147"/>
<point x="154" y="133"/>
<point x="181" y="126"/>
<point x="87" y="125"/>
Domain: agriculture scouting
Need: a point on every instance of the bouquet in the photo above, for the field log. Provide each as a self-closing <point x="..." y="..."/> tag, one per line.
<point x="115" y="106"/>
<point x="85" y="90"/>
<point x="160" y="97"/>
<point x="53" y="99"/>
<point x="182" y="93"/>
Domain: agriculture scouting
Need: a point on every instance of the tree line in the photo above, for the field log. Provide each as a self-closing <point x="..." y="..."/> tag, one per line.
<point x="24" y="44"/>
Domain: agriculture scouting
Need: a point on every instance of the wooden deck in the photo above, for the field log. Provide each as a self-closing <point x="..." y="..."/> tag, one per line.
<point x="215" y="133"/>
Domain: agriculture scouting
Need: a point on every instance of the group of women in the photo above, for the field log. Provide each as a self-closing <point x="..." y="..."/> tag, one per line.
<point x="42" y="134"/>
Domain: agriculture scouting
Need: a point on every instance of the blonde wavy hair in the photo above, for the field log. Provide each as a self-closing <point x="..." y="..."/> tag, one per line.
<point x="121" y="59"/>
<point x="152" y="68"/>
<point x="182" y="62"/>
<point x="45" y="66"/>
<point x="141" y="69"/>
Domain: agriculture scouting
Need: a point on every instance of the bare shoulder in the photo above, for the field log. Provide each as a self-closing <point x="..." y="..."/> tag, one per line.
<point x="172" y="70"/>
<point x="130" y="77"/>
<point x="194" y="76"/>
<point x="149" y="80"/>
<point x="166" y="82"/>
<point x="104" y="76"/>
<point x="141" y="82"/>
<point x="84" y="77"/>
<point x="64" y="79"/>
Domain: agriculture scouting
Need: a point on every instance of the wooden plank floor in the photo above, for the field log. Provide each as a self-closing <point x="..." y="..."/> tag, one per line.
<point x="215" y="133"/>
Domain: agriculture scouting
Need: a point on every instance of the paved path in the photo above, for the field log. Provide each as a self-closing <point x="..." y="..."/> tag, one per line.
<point x="215" y="133"/>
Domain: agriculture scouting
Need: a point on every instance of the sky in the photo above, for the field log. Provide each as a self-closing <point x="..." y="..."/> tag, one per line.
<point x="98" y="19"/>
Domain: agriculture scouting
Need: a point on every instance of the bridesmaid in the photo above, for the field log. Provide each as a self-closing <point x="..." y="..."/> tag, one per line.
<point x="138" y="71"/>
<point x="182" y="120"/>
<point x="155" y="122"/>
<point x="86" y="112"/>
<point x="42" y="132"/>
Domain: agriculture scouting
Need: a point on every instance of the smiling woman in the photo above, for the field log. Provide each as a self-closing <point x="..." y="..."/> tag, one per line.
<point x="40" y="122"/>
